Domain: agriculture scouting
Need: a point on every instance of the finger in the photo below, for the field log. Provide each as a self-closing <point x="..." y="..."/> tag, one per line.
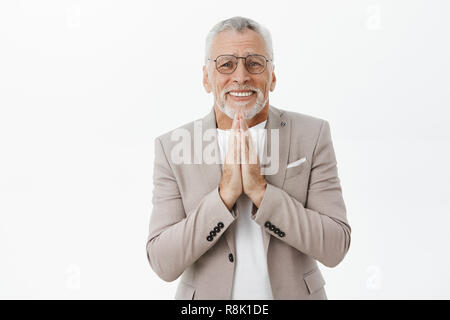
<point x="238" y="147"/>
<point x="235" y="144"/>
<point x="235" y="125"/>
<point x="244" y="147"/>
<point x="250" y="152"/>
<point x="232" y="134"/>
<point x="243" y="123"/>
<point x="229" y="158"/>
<point x="253" y="153"/>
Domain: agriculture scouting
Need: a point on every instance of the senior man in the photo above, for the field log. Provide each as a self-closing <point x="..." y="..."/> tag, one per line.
<point x="233" y="229"/>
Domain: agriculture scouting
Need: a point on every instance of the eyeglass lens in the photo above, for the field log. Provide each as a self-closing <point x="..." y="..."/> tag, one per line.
<point x="227" y="64"/>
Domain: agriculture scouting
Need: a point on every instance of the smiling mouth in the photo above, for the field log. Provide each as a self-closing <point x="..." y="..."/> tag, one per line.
<point x="241" y="95"/>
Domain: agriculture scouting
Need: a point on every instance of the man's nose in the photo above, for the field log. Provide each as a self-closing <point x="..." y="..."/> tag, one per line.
<point x="241" y="75"/>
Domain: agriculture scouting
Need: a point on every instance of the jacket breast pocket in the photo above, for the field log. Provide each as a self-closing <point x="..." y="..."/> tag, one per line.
<point x="296" y="181"/>
<point x="184" y="291"/>
<point x="296" y="167"/>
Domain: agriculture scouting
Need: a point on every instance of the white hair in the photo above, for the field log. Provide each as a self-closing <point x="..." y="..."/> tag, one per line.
<point x="238" y="24"/>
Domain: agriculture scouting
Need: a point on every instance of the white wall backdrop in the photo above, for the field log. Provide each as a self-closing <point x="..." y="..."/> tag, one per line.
<point x="85" y="87"/>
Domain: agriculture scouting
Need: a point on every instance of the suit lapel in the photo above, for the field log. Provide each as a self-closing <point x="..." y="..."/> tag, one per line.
<point x="212" y="173"/>
<point x="276" y="124"/>
<point x="279" y="153"/>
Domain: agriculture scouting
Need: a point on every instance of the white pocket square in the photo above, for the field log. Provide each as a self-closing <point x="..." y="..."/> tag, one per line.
<point x="296" y="163"/>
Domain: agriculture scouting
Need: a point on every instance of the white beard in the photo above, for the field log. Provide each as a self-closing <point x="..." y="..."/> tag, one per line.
<point x="248" y="114"/>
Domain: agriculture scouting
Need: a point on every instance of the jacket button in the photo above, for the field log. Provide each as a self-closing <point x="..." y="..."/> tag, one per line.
<point x="209" y="238"/>
<point x="272" y="227"/>
<point x="220" y="225"/>
<point x="267" y="224"/>
<point x="277" y="231"/>
<point x="217" y="229"/>
<point x="282" y="234"/>
<point x="230" y="257"/>
<point x="212" y="233"/>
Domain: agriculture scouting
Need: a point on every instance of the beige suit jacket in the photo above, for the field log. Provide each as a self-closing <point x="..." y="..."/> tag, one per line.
<point x="302" y="215"/>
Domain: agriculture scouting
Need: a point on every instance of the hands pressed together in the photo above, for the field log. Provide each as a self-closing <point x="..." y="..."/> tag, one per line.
<point x="241" y="172"/>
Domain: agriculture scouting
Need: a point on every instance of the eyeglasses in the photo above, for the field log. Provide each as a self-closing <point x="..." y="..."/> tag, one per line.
<point x="254" y="63"/>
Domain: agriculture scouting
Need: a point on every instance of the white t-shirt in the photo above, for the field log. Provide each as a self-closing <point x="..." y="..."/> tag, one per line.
<point x="251" y="277"/>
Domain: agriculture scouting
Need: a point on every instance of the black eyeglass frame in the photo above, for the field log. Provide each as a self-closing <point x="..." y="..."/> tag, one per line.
<point x="237" y="62"/>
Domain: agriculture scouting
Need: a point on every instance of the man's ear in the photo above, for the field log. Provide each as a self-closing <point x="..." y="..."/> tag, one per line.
<point x="206" y="80"/>
<point x="274" y="80"/>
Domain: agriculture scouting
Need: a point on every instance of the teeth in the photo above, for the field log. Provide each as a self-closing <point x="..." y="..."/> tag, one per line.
<point x="241" y="94"/>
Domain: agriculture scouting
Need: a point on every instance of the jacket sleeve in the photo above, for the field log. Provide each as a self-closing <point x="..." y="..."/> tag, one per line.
<point x="177" y="240"/>
<point x="320" y="228"/>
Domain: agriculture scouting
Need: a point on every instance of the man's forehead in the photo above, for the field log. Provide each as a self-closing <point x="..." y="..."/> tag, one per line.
<point x="238" y="43"/>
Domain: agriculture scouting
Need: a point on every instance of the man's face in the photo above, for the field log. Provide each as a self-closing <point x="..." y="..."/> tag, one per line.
<point x="226" y="86"/>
